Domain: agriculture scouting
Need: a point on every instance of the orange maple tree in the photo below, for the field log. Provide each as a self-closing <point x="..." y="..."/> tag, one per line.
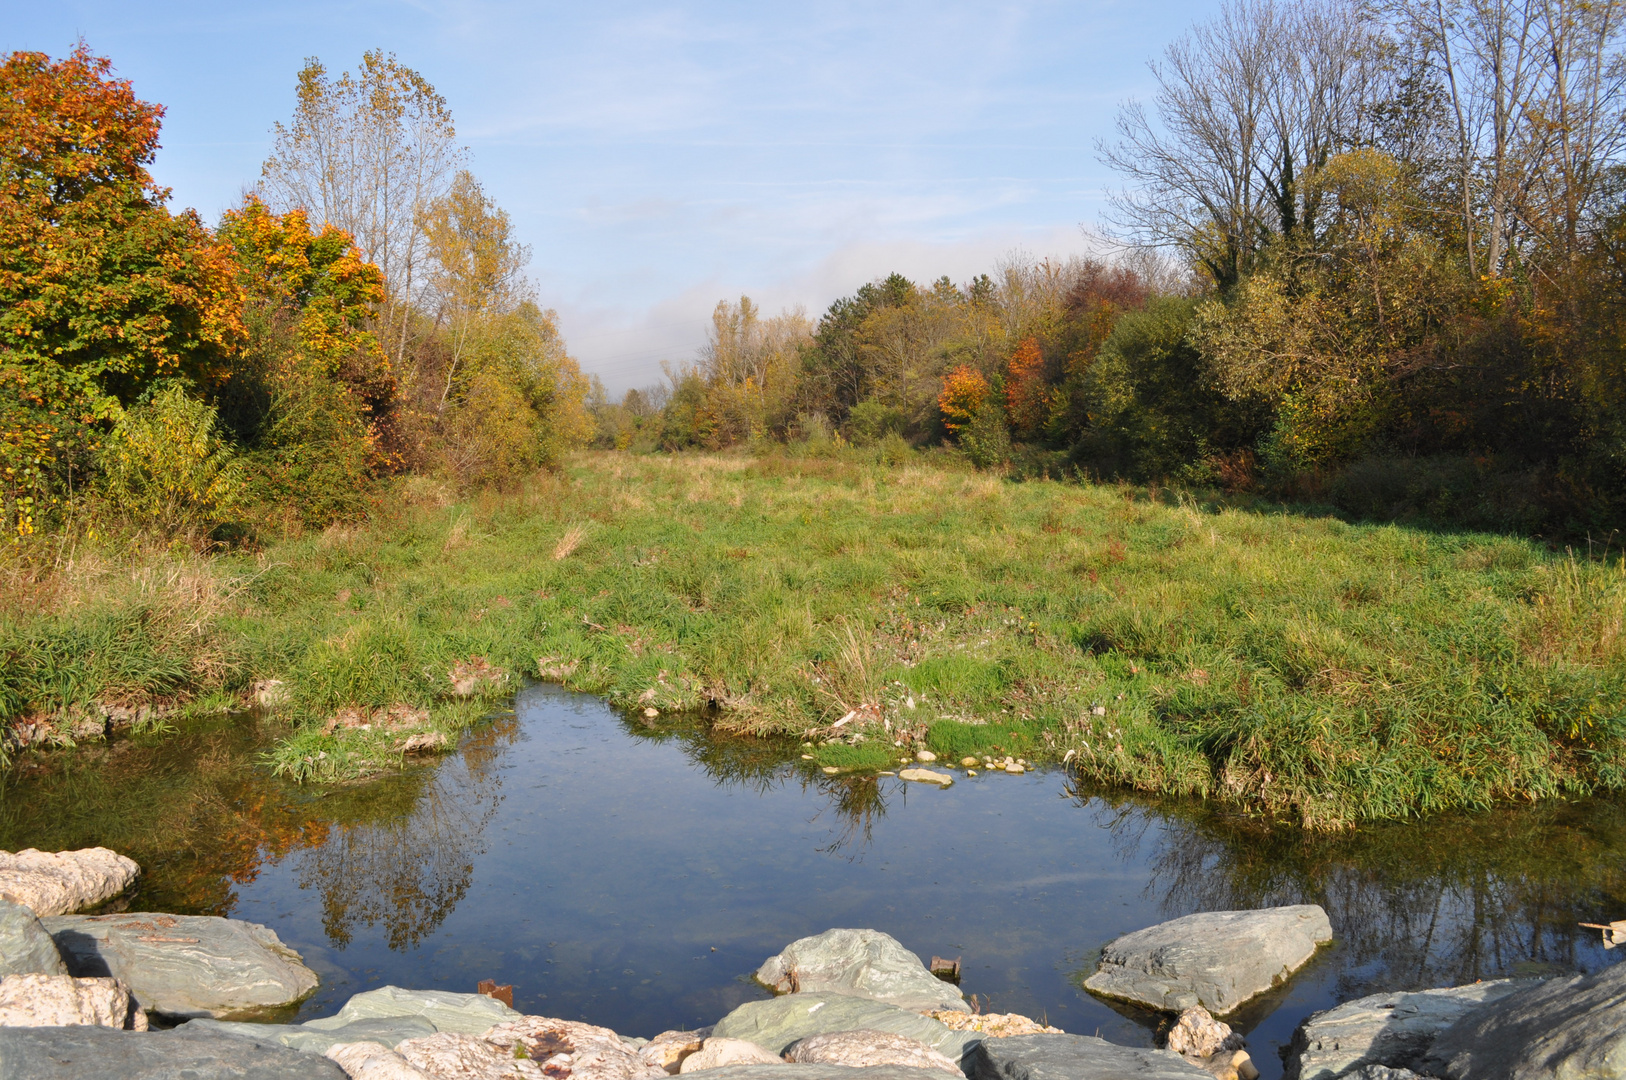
<point x="964" y="391"/>
<point x="1027" y="395"/>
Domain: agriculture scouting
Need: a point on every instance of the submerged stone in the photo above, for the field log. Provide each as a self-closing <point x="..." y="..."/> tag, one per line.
<point x="864" y="963"/>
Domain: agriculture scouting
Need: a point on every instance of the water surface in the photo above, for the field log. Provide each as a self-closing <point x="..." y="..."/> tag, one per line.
<point x="634" y="875"/>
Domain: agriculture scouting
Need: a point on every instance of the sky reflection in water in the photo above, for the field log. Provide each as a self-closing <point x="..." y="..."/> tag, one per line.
<point x="635" y="876"/>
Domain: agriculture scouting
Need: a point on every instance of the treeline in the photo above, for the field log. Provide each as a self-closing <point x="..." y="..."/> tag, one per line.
<point x="364" y="312"/>
<point x="1376" y="255"/>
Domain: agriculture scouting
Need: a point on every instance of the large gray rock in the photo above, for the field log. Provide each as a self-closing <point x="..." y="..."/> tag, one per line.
<point x="1075" y="1057"/>
<point x="1563" y="1029"/>
<point x="774" y="1025"/>
<point x="74" y="1053"/>
<point x="25" y="946"/>
<point x="865" y="963"/>
<point x="1217" y="959"/>
<point x="57" y="882"/>
<point x="860" y="1049"/>
<point x="183" y="966"/>
<point x="1393" y="1030"/>
<point x="388" y="1031"/>
<point x="469" y="1014"/>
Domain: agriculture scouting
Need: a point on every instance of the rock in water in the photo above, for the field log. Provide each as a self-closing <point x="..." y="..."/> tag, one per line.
<point x="62" y="1000"/>
<point x="1075" y="1057"/>
<point x="865" y="963"/>
<point x="774" y="1025"/>
<point x="717" y="1053"/>
<point x="1567" y="1029"/>
<point x="373" y="1061"/>
<point x="858" y="1049"/>
<point x="75" y="1053"/>
<point x="1217" y="959"/>
<point x="183" y="966"/>
<point x="1390" y="1030"/>
<point x="926" y="776"/>
<point x="59" y="882"/>
<point x="25" y="946"/>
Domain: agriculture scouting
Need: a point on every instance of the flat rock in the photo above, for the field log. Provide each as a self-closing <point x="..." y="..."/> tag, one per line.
<point x="373" y="1061"/>
<point x="59" y="882"/>
<point x="1075" y="1057"/>
<point x="471" y="1014"/>
<point x="774" y="1025"/>
<point x="864" y="963"/>
<point x="388" y="1031"/>
<point x="62" y="1000"/>
<point x="1391" y="1030"/>
<point x="822" y="1072"/>
<point x="26" y="947"/>
<point x="453" y="1055"/>
<point x="74" y="1053"/>
<point x="585" y="1051"/>
<point x="715" y="1053"/>
<point x="860" y="1049"/>
<point x="1564" y="1029"/>
<point x="926" y="776"/>
<point x="183" y="966"/>
<point x="1216" y="959"/>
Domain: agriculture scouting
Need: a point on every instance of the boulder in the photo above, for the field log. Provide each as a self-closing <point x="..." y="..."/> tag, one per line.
<point x="25" y="946"/>
<point x="453" y="1055"/>
<point x="993" y="1025"/>
<point x="470" y="1014"/>
<point x="74" y="1053"/>
<point x="668" y="1049"/>
<point x="62" y="1000"/>
<point x="373" y="1061"/>
<point x="715" y="1053"/>
<point x="59" y="882"/>
<point x="183" y="966"/>
<point x="783" y="1071"/>
<point x="584" y="1051"/>
<point x="858" y="1049"/>
<point x="1392" y="1030"/>
<point x="1074" y="1057"/>
<point x="1565" y="1029"/>
<point x="864" y="963"/>
<point x="1198" y="1034"/>
<point x="387" y="1031"/>
<point x="1217" y="959"/>
<point x="775" y="1024"/>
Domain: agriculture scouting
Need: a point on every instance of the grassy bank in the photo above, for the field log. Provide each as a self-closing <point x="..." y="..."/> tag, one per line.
<point x="1291" y="664"/>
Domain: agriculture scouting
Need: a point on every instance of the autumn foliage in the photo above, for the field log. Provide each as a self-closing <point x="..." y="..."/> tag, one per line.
<point x="964" y="391"/>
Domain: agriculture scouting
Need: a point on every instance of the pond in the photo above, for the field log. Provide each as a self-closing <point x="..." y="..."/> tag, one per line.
<point x="634" y="874"/>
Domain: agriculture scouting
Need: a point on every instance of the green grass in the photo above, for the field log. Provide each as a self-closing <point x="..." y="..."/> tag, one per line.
<point x="1288" y="664"/>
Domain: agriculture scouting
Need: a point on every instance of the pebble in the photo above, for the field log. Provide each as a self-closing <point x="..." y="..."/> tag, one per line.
<point x="969" y="762"/>
<point x="831" y="770"/>
<point x="1013" y="767"/>
<point x="652" y="713"/>
<point x="925" y="755"/>
<point x="807" y="757"/>
<point x="971" y="772"/>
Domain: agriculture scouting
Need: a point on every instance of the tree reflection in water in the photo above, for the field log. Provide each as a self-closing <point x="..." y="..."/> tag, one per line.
<point x="407" y="862"/>
<point x="1444" y="901"/>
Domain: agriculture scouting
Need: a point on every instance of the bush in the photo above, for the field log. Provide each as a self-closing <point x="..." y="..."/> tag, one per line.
<point x="491" y="438"/>
<point x="987" y="440"/>
<point x="870" y="421"/>
<point x="166" y="466"/>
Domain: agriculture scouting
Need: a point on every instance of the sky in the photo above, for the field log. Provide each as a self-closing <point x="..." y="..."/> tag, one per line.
<point x="658" y="158"/>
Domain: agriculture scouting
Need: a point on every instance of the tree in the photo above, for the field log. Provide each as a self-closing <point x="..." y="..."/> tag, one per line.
<point x="103" y="292"/>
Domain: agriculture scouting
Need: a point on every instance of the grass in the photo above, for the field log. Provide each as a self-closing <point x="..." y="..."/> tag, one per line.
<point x="1286" y="664"/>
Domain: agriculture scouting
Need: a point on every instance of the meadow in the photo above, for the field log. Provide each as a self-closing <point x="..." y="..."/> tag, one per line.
<point x="1279" y="662"/>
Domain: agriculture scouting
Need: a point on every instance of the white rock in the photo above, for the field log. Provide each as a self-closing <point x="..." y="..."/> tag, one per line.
<point x="667" y="1050"/>
<point x="860" y="1049"/>
<point x="925" y="755"/>
<point x="1014" y="768"/>
<point x="452" y="1055"/>
<point x="1198" y="1034"/>
<point x="589" y="1052"/>
<point x="714" y="1053"/>
<point x="926" y="776"/>
<point x="59" y="882"/>
<point x="64" y="1001"/>
<point x="373" y="1061"/>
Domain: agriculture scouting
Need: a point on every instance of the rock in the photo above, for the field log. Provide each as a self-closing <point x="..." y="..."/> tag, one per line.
<point x="1198" y="1034"/>
<point x="1392" y="1030"/>
<point x="373" y="1061"/>
<point x="668" y="1049"/>
<point x="783" y="1071"/>
<point x="185" y="965"/>
<point x="471" y="1014"/>
<point x="57" y="882"/>
<point x="865" y="963"/>
<point x="969" y="763"/>
<point x="1216" y="959"/>
<point x="926" y="776"/>
<point x="386" y="1031"/>
<point x="422" y="741"/>
<point x="1015" y="769"/>
<point x="1227" y="1065"/>
<point x="269" y="693"/>
<point x="925" y="755"/>
<point x="62" y="1000"/>
<point x="716" y="1053"/>
<point x="585" y="1051"/>
<point x="774" y="1025"/>
<point x="25" y="946"/>
<point x="993" y="1025"/>
<point x="453" y="1055"/>
<point x="1382" y="1072"/>
<point x="1075" y="1057"/>
<point x="74" y="1053"/>
<point x="1567" y="1029"/>
<point x="859" y="1049"/>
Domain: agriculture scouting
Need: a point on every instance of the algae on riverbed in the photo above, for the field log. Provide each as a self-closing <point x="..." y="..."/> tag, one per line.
<point x="1289" y="664"/>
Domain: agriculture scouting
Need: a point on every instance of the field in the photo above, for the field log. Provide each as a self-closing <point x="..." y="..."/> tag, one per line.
<point x="1287" y="664"/>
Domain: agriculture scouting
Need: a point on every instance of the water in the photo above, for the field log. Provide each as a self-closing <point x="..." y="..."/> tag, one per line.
<point x="635" y="875"/>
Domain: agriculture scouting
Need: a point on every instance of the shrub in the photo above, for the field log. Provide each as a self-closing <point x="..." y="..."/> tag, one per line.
<point x="166" y="466"/>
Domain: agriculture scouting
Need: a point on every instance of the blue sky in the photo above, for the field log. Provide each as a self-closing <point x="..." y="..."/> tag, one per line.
<point x="660" y="157"/>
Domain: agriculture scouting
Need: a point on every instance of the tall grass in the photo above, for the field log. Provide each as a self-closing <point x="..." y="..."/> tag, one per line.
<point x="1287" y="664"/>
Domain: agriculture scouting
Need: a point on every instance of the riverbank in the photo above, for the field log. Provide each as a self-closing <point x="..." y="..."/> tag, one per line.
<point x="1289" y="664"/>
